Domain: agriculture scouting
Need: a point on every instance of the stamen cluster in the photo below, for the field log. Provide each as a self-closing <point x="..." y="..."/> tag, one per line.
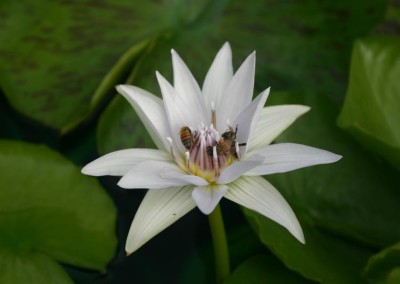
<point x="202" y="162"/>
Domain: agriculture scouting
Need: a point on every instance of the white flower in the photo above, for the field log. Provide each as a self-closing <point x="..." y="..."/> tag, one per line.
<point x="212" y="143"/>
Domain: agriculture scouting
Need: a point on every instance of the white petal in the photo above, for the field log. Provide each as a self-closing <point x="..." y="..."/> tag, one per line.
<point x="150" y="110"/>
<point x="119" y="163"/>
<point x="177" y="113"/>
<point x="259" y="195"/>
<point x="188" y="90"/>
<point x="218" y="77"/>
<point x="238" y="94"/>
<point x="149" y="174"/>
<point x="247" y="119"/>
<point x="178" y="175"/>
<point x="159" y="209"/>
<point x="273" y="121"/>
<point x="239" y="168"/>
<point x="207" y="197"/>
<point x="285" y="157"/>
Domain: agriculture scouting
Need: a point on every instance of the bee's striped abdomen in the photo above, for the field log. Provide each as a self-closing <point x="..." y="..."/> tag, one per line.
<point x="186" y="137"/>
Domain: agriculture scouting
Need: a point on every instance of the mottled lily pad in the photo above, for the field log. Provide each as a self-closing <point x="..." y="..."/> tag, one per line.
<point x="55" y="54"/>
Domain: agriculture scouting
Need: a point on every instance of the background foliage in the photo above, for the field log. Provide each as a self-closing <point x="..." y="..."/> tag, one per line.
<point x="59" y="63"/>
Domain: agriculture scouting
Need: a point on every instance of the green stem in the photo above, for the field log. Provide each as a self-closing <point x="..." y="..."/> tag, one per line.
<point x="221" y="254"/>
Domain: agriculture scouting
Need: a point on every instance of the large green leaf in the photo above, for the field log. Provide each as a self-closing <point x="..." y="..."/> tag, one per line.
<point x="263" y="269"/>
<point x="371" y="112"/>
<point x="50" y="211"/>
<point x="384" y="267"/>
<point x="299" y="44"/>
<point x="324" y="258"/>
<point x="54" y="54"/>
<point x="356" y="196"/>
<point x="30" y="267"/>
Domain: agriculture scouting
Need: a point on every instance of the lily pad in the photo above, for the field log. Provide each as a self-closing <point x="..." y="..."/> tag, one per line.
<point x="384" y="267"/>
<point x="357" y="196"/>
<point x="50" y="212"/>
<point x="371" y="112"/>
<point x="30" y="268"/>
<point x="54" y="55"/>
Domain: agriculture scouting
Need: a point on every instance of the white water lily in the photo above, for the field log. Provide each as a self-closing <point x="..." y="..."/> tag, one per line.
<point x="212" y="142"/>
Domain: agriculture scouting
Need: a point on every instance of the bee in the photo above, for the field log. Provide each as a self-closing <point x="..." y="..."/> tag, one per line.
<point x="226" y="146"/>
<point x="186" y="137"/>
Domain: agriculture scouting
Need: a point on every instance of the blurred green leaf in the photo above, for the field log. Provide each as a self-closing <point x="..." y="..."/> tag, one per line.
<point x="384" y="267"/>
<point x="357" y="196"/>
<point x="391" y="23"/>
<point x="55" y="54"/>
<point x="263" y="269"/>
<point x="324" y="258"/>
<point x="371" y="112"/>
<point x="50" y="210"/>
<point x="310" y="48"/>
<point x="30" y="267"/>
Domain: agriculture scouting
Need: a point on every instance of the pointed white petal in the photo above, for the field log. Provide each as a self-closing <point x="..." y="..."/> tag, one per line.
<point x="149" y="174"/>
<point x="207" y="197"/>
<point x="150" y="110"/>
<point x="259" y="195"/>
<point x="188" y="90"/>
<point x="119" y="163"/>
<point x="177" y="113"/>
<point x="159" y="209"/>
<point x="285" y="157"/>
<point x="218" y="77"/>
<point x="247" y="120"/>
<point x="239" y="168"/>
<point x="273" y="121"/>
<point x="238" y="94"/>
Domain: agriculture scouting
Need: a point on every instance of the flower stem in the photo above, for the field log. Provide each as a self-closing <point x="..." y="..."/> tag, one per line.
<point x="221" y="254"/>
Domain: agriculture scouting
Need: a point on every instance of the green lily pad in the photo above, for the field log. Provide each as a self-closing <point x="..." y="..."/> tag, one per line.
<point x="50" y="212"/>
<point x="30" y="268"/>
<point x="357" y="196"/>
<point x="371" y="112"/>
<point x="324" y="258"/>
<point x="54" y="55"/>
<point x="294" y="43"/>
<point x="384" y="267"/>
<point x="264" y="269"/>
